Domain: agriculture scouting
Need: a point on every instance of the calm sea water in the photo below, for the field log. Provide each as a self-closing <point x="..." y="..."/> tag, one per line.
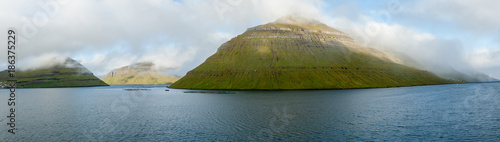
<point x="469" y="112"/>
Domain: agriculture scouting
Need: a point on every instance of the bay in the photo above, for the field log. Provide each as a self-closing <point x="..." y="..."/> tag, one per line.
<point x="468" y="112"/>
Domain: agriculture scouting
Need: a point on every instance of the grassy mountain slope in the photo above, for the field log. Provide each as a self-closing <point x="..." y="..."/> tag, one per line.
<point x="292" y="54"/>
<point x="68" y="74"/>
<point x="139" y="73"/>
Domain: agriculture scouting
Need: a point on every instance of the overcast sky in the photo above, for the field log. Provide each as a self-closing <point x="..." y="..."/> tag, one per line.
<point x="181" y="34"/>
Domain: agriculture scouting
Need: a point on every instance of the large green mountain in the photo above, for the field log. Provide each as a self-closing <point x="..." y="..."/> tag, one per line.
<point x="299" y="53"/>
<point x="138" y="73"/>
<point x="67" y="74"/>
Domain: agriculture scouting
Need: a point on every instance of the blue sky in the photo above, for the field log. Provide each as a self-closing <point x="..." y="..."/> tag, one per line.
<point x="180" y="34"/>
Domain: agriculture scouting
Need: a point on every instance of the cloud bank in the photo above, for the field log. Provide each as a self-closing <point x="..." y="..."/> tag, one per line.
<point x="441" y="35"/>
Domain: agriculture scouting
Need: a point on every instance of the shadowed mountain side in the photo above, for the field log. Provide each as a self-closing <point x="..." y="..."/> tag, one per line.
<point x="67" y="74"/>
<point x="300" y="55"/>
<point x="139" y="73"/>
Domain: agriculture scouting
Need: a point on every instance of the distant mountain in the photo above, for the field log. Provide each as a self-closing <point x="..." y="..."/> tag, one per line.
<point x="300" y="53"/>
<point x="138" y="73"/>
<point x="444" y="71"/>
<point x="67" y="74"/>
<point x="453" y="74"/>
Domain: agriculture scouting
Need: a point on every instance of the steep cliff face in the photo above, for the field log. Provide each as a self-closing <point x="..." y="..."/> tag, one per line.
<point x="139" y="73"/>
<point x="298" y="53"/>
<point x="67" y="74"/>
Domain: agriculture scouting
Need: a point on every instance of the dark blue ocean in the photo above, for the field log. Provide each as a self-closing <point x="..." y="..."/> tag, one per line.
<point x="468" y="112"/>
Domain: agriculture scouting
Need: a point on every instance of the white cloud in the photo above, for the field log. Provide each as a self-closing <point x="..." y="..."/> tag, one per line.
<point x="485" y="58"/>
<point x="416" y="40"/>
<point x="42" y="61"/>
<point x="426" y="48"/>
<point x="105" y="34"/>
<point x="479" y="15"/>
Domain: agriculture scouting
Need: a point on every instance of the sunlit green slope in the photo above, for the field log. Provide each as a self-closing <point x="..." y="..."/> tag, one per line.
<point x="68" y="74"/>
